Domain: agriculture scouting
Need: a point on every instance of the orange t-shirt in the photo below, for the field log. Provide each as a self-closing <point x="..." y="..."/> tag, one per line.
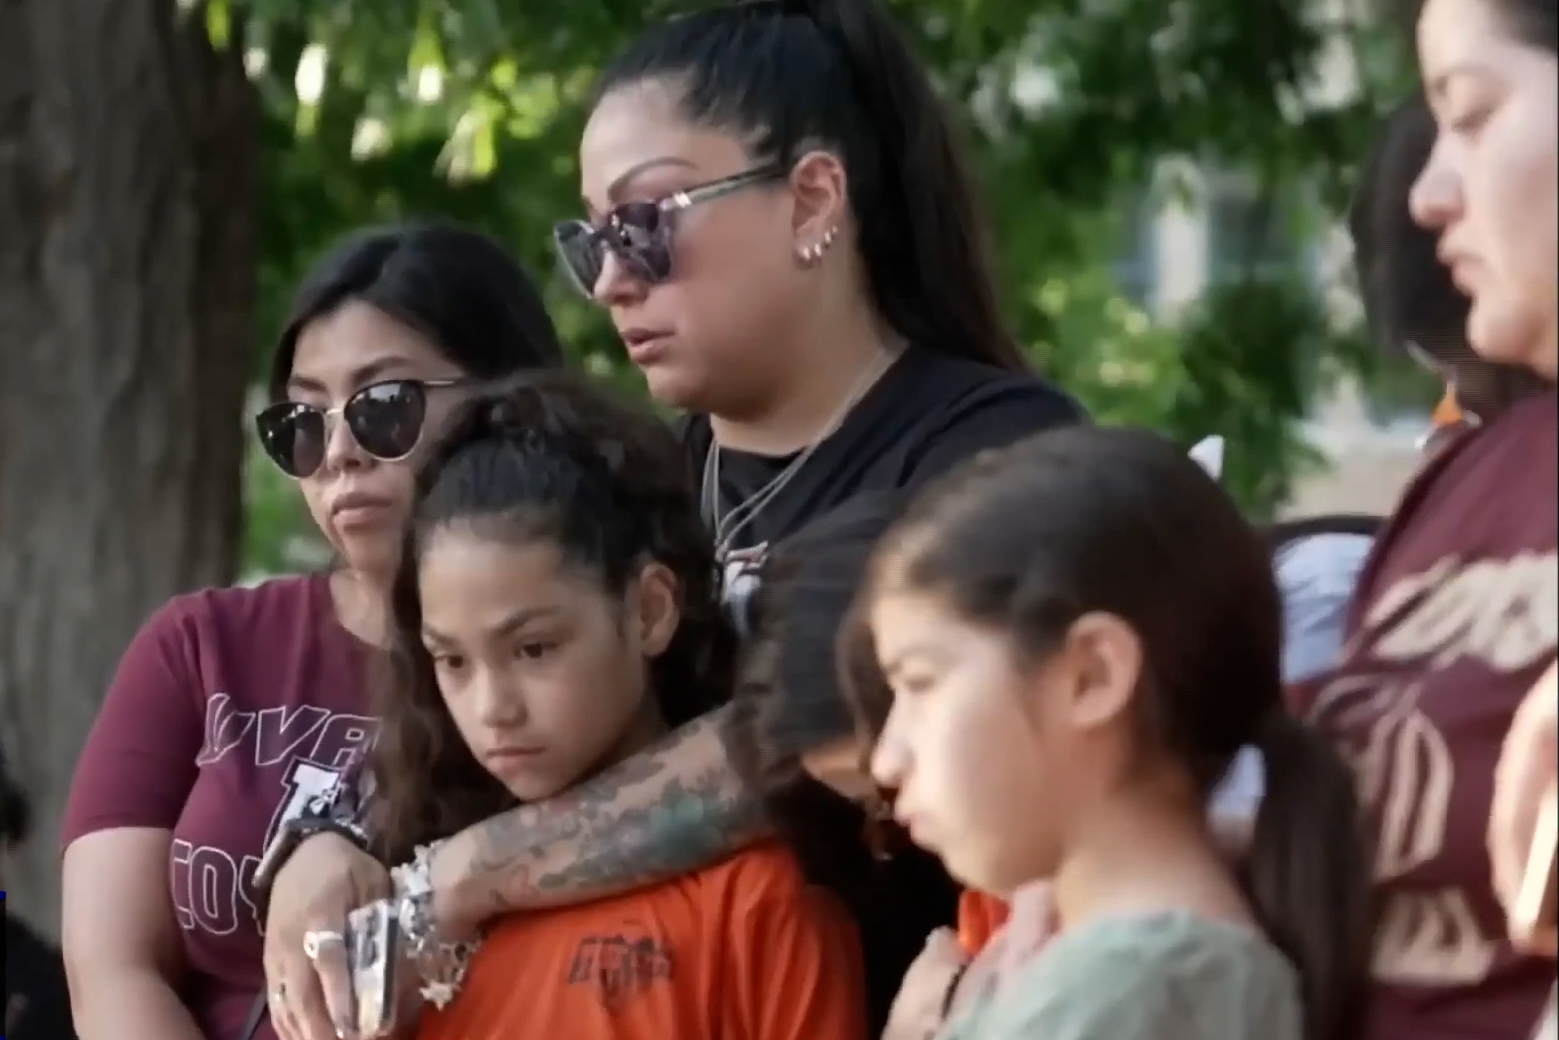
<point x="980" y="916"/>
<point x="744" y="950"/>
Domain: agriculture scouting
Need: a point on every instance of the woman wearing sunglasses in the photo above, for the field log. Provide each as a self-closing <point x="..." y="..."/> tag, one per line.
<point x="780" y="225"/>
<point x="234" y="707"/>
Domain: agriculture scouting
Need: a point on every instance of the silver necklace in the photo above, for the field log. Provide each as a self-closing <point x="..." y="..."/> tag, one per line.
<point x="728" y="525"/>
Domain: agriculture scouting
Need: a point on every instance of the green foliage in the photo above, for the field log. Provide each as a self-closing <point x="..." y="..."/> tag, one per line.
<point x="472" y="110"/>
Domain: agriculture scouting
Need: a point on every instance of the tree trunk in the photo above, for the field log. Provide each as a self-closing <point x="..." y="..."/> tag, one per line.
<point x="128" y="166"/>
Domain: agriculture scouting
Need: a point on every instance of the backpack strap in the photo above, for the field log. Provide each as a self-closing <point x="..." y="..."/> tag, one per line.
<point x="1285" y="532"/>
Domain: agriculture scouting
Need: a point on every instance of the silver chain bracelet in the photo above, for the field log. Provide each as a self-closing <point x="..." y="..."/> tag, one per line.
<point x="442" y="966"/>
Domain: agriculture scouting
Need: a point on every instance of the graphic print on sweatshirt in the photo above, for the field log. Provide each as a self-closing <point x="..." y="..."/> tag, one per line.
<point x="285" y="756"/>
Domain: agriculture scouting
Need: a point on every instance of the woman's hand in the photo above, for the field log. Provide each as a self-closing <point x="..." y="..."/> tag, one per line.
<point x="922" y="998"/>
<point x="1524" y="777"/>
<point x="326" y="878"/>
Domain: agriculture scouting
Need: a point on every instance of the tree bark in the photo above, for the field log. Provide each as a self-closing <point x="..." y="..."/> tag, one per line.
<point x="128" y="168"/>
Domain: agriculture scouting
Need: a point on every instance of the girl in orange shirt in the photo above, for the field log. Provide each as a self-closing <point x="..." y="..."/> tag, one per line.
<point x="557" y="611"/>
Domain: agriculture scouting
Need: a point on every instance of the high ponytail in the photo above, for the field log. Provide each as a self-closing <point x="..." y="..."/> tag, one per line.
<point x="922" y="233"/>
<point x="793" y="75"/>
<point x="1308" y="874"/>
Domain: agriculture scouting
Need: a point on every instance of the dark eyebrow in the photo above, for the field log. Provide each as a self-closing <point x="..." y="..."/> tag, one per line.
<point x="369" y="373"/>
<point x="614" y="189"/>
<point x="508" y="626"/>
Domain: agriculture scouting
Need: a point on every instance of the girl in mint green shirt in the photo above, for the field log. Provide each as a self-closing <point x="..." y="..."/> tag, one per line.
<point x="1074" y="638"/>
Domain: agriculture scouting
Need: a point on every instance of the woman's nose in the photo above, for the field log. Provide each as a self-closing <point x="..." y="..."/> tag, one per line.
<point x="617" y="284"/>
<point x="341" y="449"/>
<point x="1435" y="198"/>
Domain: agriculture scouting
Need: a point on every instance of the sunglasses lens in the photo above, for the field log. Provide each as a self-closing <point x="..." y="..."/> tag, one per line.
<point x="638" y="235"/>
<point x="581" y="252"/>
<point x="293" y="435"/>
<point x="386" y="419"/>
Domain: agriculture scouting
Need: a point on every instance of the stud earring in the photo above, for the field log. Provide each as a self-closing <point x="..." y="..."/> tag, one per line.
<point x="812" y="254"/>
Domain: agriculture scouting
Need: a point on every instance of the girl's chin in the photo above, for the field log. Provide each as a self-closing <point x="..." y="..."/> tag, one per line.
<point x="529" y="785"/>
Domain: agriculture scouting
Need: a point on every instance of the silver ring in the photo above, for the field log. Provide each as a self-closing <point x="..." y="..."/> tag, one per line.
<point x="314" y="943"/>
<point x="279" y="994"/>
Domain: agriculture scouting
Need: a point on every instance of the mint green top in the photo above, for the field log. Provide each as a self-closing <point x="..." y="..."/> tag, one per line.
<point x="1170" y="976"/>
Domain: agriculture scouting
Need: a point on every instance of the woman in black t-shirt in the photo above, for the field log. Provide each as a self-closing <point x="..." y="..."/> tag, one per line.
<point x="780" y="225"/>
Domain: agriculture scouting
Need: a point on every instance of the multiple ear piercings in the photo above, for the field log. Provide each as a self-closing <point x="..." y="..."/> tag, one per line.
<point x="812" y="254"/>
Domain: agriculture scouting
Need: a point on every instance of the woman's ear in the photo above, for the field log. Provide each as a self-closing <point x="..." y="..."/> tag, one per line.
<point x="656" y="608"/>
<point x="821" y="191"/>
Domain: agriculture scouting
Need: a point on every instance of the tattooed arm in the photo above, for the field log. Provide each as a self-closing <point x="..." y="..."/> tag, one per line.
<point x="672" y="809"/>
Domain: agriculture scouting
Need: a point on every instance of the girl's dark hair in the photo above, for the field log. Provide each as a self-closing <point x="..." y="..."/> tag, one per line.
<point x="549" y="457"/>
<point x="788" y="701"/>
<point x="1408" y="294"/>
<point x="790" y="76"/>
<point x="460" y="289"/>
<point x="1030" y="538"/>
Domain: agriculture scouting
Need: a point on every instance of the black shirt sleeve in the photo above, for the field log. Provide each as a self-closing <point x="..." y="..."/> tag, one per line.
<point x="37" y="1003"/>
<point x="993" y="417"/>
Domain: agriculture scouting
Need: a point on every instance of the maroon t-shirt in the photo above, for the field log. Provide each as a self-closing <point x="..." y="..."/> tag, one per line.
<point x="230" y="710"/>
<point x="1455" y="619"/>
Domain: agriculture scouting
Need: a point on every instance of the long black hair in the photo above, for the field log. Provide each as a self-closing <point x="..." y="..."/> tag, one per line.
<point x="1030" y="538"/>
<point x="550" y="457"/>
<point x="793" y="75"/>
<point x="460" y="289"/>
